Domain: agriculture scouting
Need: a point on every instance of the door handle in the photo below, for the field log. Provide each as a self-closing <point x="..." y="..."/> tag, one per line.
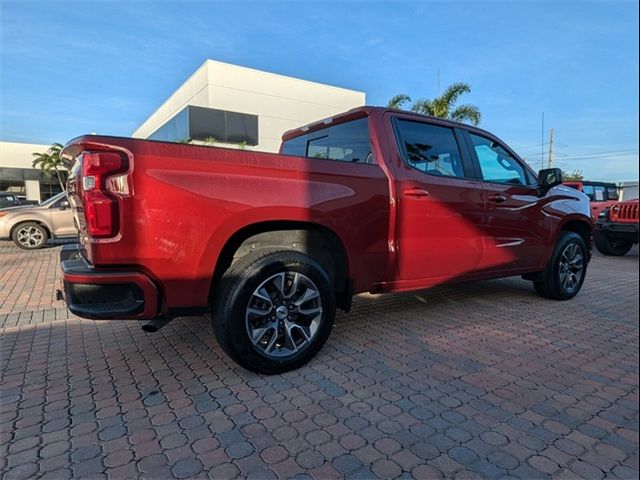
<point x="497" y="198"/>
<point x="416" y="192"/>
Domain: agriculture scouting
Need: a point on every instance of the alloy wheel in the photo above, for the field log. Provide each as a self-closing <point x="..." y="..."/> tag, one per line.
<point x="30" y="237"/>
<point x="283" y="314"/>
<point x="571" y="267"/>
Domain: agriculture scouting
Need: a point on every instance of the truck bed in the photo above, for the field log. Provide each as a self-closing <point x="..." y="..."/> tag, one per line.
<point x="185" y="202"/>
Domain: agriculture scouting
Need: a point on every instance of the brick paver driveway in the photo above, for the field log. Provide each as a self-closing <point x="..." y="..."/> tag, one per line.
<point x="478" y="380"/>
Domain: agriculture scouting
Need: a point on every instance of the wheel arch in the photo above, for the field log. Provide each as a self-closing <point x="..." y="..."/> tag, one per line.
<point x="313" y="239"/>
<point x="30" y="220"/>
<point x="582" y="227"/>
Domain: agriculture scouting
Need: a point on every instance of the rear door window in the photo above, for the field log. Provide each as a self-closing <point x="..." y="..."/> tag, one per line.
<point x="432" y="149"/>
<point x="345" y="142"/>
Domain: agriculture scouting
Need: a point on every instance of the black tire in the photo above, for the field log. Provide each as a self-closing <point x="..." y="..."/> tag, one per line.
<point x="607" y="246"/>
<point x="30" y="235"/>
<point x="551" y="283"/>
<point x="239" y="286"/>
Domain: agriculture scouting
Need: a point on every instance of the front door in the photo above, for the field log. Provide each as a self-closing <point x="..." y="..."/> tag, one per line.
<point x="440" y="210"/>
<point x="515" y="236"/>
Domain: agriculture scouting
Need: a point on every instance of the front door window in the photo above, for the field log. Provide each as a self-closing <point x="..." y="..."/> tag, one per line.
<point x="496" y="164"/>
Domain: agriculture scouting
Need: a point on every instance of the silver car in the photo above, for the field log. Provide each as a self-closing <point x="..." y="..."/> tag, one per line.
<point x="31" y="226"/>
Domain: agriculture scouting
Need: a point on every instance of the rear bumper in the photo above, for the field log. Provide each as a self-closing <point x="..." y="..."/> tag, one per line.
<point x="110" y="294"/>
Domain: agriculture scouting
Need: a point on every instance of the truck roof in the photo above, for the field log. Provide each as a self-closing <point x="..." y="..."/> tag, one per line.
<point x="368" y="110"/>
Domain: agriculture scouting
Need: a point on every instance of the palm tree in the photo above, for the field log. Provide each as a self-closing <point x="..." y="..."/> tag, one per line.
<point x="575" y="176"/>
<point x="50" y="161"/>
<point x="443" y="105"/>
<point x="397" y="101"/>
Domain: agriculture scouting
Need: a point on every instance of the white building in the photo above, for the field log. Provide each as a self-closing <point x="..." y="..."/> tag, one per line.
<point x="229" y="104"/>
<point x="628" y="190"/>
<point x="225" y="104"/>
<point x="19" y="177"/>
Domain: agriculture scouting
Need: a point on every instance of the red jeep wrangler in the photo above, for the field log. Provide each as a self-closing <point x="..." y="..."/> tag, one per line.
<point x="372" y="200"/>
<point x="601" y="195"/>
<point x="617" y="228"/>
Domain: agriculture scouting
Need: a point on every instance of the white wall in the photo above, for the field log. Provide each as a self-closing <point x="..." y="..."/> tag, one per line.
<point x="192" y="92"/>
<point x="628" y="190"/>
<point x="32" y="190"/>
<point x="19" y="155"/>
<point x="281" y="103"/>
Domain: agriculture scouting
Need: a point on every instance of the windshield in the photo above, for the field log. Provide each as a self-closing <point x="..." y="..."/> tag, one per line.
<point x="53" y="199"/>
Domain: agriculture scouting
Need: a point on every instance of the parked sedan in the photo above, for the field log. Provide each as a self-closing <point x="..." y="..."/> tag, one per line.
<point x="8" y="200"/>
<point x="31" y="226"/>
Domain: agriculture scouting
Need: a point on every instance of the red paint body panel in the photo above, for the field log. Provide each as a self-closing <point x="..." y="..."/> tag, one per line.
<point x="180" y="204"/>
<point x="624" y="212"/>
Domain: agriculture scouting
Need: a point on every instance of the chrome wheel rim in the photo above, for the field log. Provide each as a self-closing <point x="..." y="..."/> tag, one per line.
<point x="284" y="314"/>
<point x="30" y="237"/>
<point x="571" y="267"/>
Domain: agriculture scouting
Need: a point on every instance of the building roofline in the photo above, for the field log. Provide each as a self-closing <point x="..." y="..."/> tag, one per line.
<point x="288" y="77"/>
<point x="209" y="62"/>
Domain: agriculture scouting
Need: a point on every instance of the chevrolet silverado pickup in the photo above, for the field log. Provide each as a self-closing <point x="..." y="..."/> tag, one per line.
<point x="371" y="200"/>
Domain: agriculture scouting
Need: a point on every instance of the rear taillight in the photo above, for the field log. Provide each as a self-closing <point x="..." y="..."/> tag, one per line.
<point x="99" y="197"/>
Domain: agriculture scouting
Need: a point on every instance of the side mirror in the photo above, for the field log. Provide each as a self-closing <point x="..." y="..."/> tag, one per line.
<point x="548" y="178"/>
<point x="64" y="205"/>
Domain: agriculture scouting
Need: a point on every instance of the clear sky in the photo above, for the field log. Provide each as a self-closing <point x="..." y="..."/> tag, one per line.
<point x="69" y="68"/>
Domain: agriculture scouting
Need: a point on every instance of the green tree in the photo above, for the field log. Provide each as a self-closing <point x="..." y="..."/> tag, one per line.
<point x="398" y="101"/>
<point x="575" y="176"/>
<point x="50" y="162"/>
<point x="443" y="106"/>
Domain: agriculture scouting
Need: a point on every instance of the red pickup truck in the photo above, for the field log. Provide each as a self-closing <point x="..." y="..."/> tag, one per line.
<point x="372" y="200"/>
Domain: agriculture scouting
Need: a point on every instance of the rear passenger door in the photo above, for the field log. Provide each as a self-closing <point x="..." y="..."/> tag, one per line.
<point x="515" y="236"/>
<point x="440" y="208"/>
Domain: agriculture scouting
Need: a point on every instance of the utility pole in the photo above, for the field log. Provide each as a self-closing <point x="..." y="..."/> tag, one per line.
<point x="550" y="161"/>
<point x="542" y="144"/>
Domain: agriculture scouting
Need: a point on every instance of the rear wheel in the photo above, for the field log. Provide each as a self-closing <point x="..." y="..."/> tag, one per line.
<point x="274" y="311"/>
<point x="30" y="235"/>
<point x="608" y="246"/>
<point x="564" y="274"/>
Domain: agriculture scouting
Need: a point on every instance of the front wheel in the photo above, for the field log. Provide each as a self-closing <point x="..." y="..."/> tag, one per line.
<point x="607" y="246"/>
<point x="274" y="311"/>
<point x="564" y="275"/>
